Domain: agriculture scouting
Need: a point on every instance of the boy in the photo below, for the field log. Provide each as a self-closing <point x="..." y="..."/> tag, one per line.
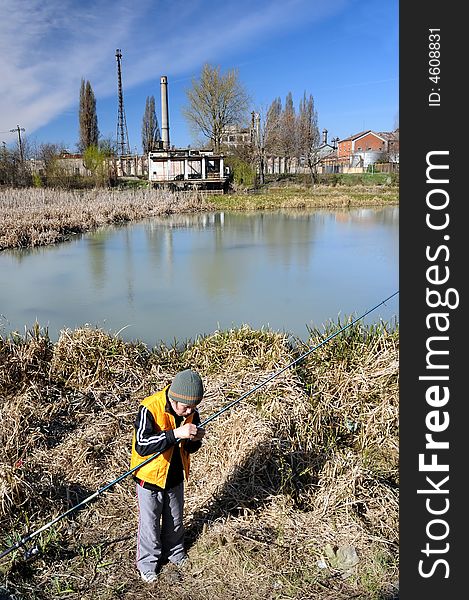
<point x="164" y="417"/>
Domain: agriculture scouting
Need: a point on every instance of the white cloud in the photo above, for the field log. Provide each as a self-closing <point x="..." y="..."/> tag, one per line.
<point x="47" y="47"/>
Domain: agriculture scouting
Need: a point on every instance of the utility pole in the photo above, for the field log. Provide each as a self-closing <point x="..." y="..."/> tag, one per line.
<point x="20" y="145"/>
<point x="123" y="146"/>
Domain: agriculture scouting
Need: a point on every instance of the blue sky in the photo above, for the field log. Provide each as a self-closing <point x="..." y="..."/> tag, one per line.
<point x="343" y="52"/>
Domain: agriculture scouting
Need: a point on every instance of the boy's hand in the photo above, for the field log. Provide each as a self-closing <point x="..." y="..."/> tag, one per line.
<point x="189" y="431"/>
<point x="199" y="435"/>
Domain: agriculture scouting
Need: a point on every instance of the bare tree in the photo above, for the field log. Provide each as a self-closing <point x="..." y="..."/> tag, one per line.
<point x="216" y="102"/>
<point x="308" y="135"/>
<point x="150" y="128"/>
<point x="108" y="146"/>
<point x="15" y="166"/>
<point x="88" y="119"/>
<point x="48" y="155"/>
<point x="272" y="138"/>
<point x="7" y="165"/>
<point x="288" y="137"/>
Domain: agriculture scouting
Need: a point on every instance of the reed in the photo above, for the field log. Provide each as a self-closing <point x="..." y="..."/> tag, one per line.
<point x="37" y="217"/>
<point x="289" y="482"/>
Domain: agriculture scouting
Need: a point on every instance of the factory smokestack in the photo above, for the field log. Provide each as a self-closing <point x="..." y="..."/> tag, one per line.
<point x="164" y="112"/>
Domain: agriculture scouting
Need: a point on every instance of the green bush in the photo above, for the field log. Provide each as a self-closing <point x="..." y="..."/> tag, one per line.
<point x="241" y="172"/>
<point x="37" y="180"/>
<point x="134" y="184"/>
<point x="351" y="179"/>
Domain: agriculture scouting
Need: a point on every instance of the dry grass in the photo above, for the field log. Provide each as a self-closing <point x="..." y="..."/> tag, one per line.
<point x="285" y="483"/>
<point x="36" y="217"/>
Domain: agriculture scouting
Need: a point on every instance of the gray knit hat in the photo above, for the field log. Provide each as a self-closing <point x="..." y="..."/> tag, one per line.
<point x="186" y="387"/>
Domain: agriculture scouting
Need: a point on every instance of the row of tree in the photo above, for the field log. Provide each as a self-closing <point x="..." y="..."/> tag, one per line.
<point x="88" y="123"/>
<point x="216" y="103"/>
<point x="284" y="132"/>
<point x="290" y="134"/>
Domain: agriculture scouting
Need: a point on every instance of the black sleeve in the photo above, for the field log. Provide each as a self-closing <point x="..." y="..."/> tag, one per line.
<point x="190" y="446"/>
<point x="149" y="438"/>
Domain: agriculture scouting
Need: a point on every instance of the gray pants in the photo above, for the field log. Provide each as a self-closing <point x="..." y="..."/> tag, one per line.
<point x="160" y="533"/>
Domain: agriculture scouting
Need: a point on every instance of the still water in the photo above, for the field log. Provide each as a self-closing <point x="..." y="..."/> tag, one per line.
<point x="183" y="276"/>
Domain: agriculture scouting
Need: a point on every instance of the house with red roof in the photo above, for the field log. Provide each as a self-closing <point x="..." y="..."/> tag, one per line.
<point x="367" y="148"/>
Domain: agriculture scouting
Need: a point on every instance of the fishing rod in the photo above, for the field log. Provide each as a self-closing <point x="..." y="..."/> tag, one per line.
<point x="293" y="363"/>
<point x="27" y="538"/>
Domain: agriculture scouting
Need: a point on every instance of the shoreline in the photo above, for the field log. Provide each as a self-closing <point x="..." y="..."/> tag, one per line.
<point x="37" y="217"/>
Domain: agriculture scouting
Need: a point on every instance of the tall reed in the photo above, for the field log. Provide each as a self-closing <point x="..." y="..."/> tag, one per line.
<point x="36" y="217"/>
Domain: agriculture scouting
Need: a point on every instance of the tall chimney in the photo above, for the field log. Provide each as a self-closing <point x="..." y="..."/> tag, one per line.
<point x="164" y="112"/>
<point x="324" y="136"/>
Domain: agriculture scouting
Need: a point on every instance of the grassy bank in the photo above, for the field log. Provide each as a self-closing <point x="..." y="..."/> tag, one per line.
<point x="36" y="217"/>
<point x="299" y="196"/>
<point x="293" y="495"/>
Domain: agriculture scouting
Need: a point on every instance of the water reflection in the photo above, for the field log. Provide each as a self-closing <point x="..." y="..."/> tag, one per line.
<point x="184" y="275"/>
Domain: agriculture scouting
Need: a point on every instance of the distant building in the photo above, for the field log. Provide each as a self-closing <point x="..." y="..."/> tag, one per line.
<point x="325" y="155"/>
<point x="392" y="139"/>
<point x="132" y="165"/>
<point x="234" y="136"/>
<point x="367" y="148"/>
<point x="325" y="149"/>
<point x="72" y="164"/>
<point x="185" y="168"/>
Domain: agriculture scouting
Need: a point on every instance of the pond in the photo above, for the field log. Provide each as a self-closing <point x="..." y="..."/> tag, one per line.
<point x="182" y="276"/>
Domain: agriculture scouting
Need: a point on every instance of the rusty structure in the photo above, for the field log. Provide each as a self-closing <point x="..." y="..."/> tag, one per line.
<point x="183" y="168"/>
<point x="123" y="146"/>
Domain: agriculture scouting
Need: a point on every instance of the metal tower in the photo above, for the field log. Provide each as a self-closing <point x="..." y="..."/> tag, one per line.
<point x="123" y="146"/>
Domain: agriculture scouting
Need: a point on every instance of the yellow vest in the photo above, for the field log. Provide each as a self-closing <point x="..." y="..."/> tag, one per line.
<point x="156" y="471"/>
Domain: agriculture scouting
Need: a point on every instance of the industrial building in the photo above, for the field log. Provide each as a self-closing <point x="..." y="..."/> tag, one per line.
<point x="183" y="168"/>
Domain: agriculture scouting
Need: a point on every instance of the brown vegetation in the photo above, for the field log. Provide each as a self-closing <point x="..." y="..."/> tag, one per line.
<point x="294" y="494"/>
<point x="36" y="217"/>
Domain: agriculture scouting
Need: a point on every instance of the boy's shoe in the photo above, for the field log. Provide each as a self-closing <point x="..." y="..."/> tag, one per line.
<point x="184" y="562"/>
<point x="149" y="576"/>
<point x="175" y="572"/>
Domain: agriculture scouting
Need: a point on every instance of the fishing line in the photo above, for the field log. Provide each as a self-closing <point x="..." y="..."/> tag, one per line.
<point x="27" y="538"/>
